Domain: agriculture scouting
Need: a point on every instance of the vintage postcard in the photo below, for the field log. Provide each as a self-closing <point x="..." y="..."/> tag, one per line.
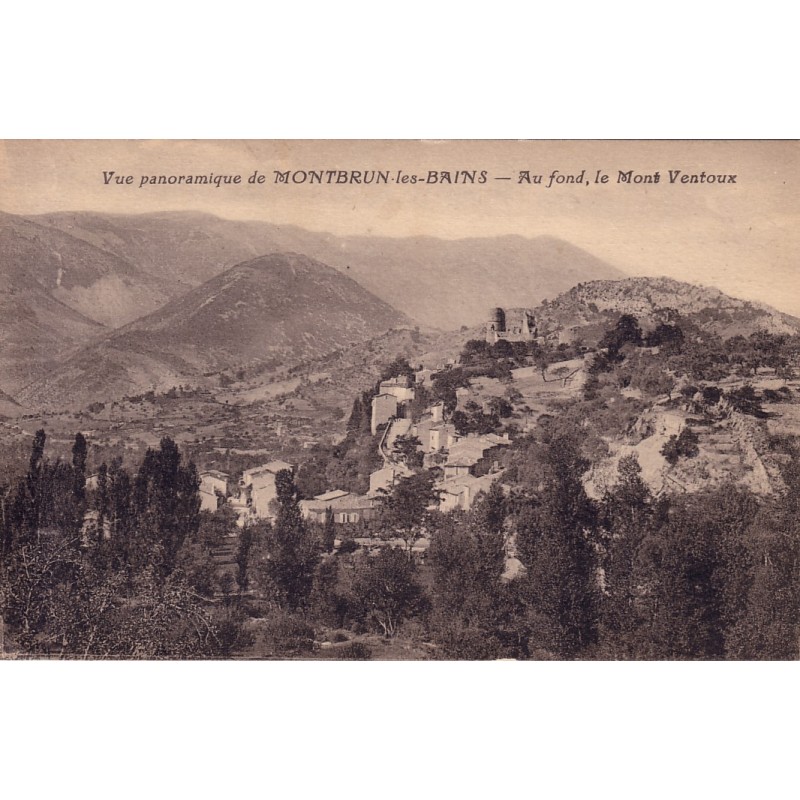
<point x="399" y="400"/>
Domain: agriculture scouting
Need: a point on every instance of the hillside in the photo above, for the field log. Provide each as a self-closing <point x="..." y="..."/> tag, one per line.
<point x="92" y="281"/>
<point x="8" y="406"/>
<point x="440" y="283"/>
<point x="270" y="311"/>
<point x="652" y="300"/>
<point x="57" y="294"/>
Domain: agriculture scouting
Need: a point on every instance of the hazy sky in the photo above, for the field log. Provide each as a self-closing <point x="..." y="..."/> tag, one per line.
<point x="742" y="238"/>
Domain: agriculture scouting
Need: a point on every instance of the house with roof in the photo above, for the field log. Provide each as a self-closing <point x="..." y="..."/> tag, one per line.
<point x="383" y="479"/>
<point x="212" y="480"/>
<point x="459" y="493"/>
<point x="400" y="387"/>
<point x="346" y="507"/>
<point x="435" y="436"/>
<point x="384" y="408"/>
<point x="213" y="486"/>
<point x="258" y="487"/>
<point x="474" y="455"/>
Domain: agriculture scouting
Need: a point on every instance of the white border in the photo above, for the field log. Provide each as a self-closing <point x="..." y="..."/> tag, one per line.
<point x="397" y="730"/>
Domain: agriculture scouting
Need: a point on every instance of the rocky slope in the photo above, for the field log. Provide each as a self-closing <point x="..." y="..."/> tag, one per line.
<point x="654" y="300"/>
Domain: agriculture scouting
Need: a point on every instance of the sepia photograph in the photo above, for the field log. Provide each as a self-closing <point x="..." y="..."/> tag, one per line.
<point x="399" y="400"/>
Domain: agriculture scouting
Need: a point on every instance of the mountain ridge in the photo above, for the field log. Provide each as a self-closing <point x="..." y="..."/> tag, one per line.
<point x="442" y="283"/>
<point x="270" y="310"/>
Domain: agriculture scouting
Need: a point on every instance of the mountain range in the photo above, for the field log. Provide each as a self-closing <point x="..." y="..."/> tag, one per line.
<point x="67" y="280"/>
<point x="439" y="283"/>
<point x="98" y="306"/>
<point x="271" y="311"/>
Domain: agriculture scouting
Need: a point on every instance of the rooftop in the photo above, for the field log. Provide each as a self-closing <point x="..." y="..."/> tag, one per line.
<point x="333" y="494"/>
<point x="272" y="466"/>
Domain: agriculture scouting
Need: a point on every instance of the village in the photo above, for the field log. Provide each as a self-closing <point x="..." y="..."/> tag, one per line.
<point x="468" y="465"/>
<point x="464" y="465"/>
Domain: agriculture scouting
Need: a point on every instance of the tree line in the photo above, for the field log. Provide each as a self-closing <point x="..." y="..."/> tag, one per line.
<point x="130" y="567"/>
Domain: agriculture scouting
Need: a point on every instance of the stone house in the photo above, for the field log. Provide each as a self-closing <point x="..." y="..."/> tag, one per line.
<point x="213" y="485"/>
<point x="459" y="493"/>
<point x="258" y="488"/>
<point x="384" y="408"/>
<point x="385" y="478"/>
<point x="400" y="387"/>
<point x="345" y="506"/>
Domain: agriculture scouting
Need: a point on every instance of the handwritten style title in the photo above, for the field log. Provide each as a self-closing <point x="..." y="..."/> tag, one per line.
<point x="464" y="177"/>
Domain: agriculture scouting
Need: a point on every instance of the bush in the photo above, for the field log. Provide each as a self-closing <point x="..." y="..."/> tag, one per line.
<point x="746" y="401"/>
<point x="777" y="396"/>
<point x="288" y="635"/>
<point x="348" y="546"/>
<point x="355" y="651"/>
<point x="711" y="395"/>
<point x="685" y="445"/>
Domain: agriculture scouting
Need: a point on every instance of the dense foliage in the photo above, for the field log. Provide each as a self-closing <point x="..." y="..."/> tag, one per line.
<point x="537" y="569"/>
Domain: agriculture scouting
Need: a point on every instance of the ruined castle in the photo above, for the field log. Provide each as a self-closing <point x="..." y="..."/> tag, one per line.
<point x="513" y="325"/>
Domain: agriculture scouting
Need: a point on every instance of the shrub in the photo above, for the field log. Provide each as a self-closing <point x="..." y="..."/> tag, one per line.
<point x="355" y="651"/>
<point x="711" y="395"/>
<point x="348" y="546"/>
<point x="288" y="635"/>
<point x="685" y="445"/>
<point x="746" y="401"/>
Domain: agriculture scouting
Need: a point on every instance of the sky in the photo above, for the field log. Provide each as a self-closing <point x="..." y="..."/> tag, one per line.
<point x="742" y="237"/>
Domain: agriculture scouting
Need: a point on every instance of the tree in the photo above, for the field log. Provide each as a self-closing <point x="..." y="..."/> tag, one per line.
<point x="355" y="421"/>
<point x="502" y="348"/>
<point x="387" y="591"/>
<point x="243" y="558"/>
<point x="500" y="407"/>
<point x="628" y="514"/>
<point x="165" y="506"/>
<point x="685" y="445"/>
<point x="745" y="400"/>
<point x="405" y="506"/>
<point x="27" y="504"/>
<point x="669" y="338"/>
<point x="472" y="617"/>
<point x="399" y="368"/>
<point x="406" y="448"/>
<point x="328" y="532"/>
<point x="292" y="552"/>
<point x="555" y="544"/>
<point x="626" y="331"/>
<point x="475" y="351"/>
<point x="444" y="386"/>
<point x="79" y="452"/>
<point x="696" y="575"/>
